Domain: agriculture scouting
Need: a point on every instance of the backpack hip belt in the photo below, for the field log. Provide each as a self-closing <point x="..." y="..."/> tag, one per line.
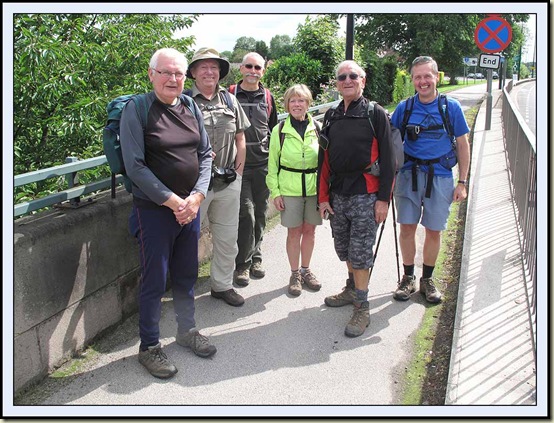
<point x="430" y="175"/>
<point x="303" y="172"/>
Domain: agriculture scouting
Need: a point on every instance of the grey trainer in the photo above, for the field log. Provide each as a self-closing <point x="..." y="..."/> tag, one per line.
<point x="347" y="296"/>
<point x="295" y="284"/>
<point x="198" y="343"/>
<point x="309" y="280"/>
<point x="405" y="288"/>
<point x="256" y="270"/>
<point x="359" y="321"/>
<point x="241" y="276"/>
<point x="428" y="289"/>
<point x="156" y="362"/>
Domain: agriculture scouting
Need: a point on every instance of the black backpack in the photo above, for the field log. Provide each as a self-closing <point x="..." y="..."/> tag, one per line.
<point x="110" y="137"/>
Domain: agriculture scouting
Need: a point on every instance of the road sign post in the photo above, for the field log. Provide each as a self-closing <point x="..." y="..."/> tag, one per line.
<point x="492" y="35"/>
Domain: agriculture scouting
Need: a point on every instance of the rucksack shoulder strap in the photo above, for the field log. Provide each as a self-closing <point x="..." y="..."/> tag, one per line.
<point x="281" y="134"/>
<point x="443" y="110"/>
<point x="408" y="107"/>
<point x="370" y="115"/>
<point x="268" y="102"/>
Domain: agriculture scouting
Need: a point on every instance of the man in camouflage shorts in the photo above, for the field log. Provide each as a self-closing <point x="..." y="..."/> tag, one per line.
<point x="351" y="191"/>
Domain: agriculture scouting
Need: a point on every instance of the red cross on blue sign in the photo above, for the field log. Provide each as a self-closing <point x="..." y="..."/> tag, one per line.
<point x="493" y="34"/>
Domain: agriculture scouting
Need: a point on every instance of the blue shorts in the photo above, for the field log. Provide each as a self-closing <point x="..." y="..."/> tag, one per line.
<point x="354" y="228"/>
<point x="410" y="205"/>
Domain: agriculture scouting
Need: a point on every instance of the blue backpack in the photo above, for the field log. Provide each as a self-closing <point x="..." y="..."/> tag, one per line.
<point x="110" y="138"/>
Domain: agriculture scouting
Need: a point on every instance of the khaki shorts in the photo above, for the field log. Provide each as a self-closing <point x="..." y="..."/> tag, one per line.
<point x="299" y="210"/>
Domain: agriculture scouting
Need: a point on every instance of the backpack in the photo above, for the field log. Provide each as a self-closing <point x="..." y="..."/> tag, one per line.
<point x="233" y="89"/>
<point x="443" y="110"/>
<point x="110" y="138"/>
<point x="397" y="141"/>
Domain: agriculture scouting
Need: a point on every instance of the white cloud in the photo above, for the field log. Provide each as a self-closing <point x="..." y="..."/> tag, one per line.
<point x="221" y="31"/>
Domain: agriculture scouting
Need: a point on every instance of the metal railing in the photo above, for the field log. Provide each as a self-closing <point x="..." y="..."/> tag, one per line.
<point x="71" y="168"/>
<point x="521" y="152"/>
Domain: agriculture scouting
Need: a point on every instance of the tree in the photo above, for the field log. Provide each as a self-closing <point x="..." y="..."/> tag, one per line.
<point x="67" y="67"/>
<point x="319" y="41"/>
<point x="279" y="46"/>
<point x="245" y="43"/>
<point x="262" y="49"/>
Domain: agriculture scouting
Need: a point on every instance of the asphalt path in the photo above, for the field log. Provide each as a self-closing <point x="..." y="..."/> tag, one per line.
<point x="289" y="355"/>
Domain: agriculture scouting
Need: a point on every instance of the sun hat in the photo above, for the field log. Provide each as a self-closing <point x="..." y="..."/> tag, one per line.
<point x="209" y="53"/>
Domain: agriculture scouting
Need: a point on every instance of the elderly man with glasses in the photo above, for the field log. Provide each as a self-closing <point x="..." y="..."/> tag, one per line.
<point x="351" y="191"/>
<point x="259" y="105"/>
<point x="168" y="158"/>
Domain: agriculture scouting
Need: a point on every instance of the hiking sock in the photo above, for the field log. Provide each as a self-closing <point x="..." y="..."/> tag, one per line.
<point x="303" y="270"/>
<point x="427" y="271"/>
<point x="409" y="269"/>
<point x="351" y="277"/>
<point x="361" y="296"/>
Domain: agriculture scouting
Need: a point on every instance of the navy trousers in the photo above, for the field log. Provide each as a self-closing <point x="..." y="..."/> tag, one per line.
<point x="165" y="248"/>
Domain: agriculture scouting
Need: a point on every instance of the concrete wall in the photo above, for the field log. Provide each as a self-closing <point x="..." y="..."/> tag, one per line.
<point x="75" y="275"/>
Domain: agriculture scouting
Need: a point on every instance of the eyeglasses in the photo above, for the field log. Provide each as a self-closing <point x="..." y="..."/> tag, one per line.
<point x="178" y="75"/>
<point x="250" y="66"/>
<point x="343" y="76"/>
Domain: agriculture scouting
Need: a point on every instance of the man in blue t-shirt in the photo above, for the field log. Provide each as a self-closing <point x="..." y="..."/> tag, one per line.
<point x="435" y="134"/>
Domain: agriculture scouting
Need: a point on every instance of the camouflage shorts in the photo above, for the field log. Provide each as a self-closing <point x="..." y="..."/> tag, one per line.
<point x="354" y="228"/>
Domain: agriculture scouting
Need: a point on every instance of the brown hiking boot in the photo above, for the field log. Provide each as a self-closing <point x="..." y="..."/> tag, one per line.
<point x="347" y="296"/>
<point x="230" y="296"/>
<point x="295" y="284"/>
<point x="241" y="276"/>
<point x="405" y="288"/>
<point x="309" y="279"/>
<point x="359" y="321"/>
<point x="256" y="270"/>
<point x="428" y="289"/>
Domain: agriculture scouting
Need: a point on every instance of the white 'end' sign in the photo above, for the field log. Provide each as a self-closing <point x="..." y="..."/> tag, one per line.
<point x="490" y="61"/>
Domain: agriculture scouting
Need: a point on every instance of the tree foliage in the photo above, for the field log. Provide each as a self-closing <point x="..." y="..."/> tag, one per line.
<point x="279" y="46"/>
<point x="66" y="69"/>
<point x="245" y="43"/>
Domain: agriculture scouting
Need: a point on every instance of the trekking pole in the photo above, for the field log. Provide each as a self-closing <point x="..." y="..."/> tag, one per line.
<point x="395" y="237"/>
<point x="376" y="249"/>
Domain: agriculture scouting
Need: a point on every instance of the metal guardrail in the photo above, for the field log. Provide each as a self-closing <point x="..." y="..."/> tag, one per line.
<point x="521" y="152"/>
<point x="70" y="170"/>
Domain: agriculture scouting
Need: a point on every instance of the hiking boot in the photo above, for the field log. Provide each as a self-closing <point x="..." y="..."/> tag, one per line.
<point x="241" y="276"/>
<point x="295" y="284"/>
<point x="405" y="288"/>
<point x="196" y="342"/>
<point x="428" y="289"/>
<point x="156" y="362"/>
<point x="309" y="279"/>
<point x="256" y="270"/>
<point x="347" y="296"/>
<point x="230" y="296"/>
<point x="359" y="321"/>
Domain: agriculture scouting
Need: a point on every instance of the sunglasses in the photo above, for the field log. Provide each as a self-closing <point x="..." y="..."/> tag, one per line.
<point x="343" y="76"/>
<point x="250" y="66"/>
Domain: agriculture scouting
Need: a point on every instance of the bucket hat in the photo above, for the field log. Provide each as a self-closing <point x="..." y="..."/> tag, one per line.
<point x="209" y="53"/>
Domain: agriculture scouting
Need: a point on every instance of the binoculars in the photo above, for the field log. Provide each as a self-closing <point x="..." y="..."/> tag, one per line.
<point x="226" y="174"/>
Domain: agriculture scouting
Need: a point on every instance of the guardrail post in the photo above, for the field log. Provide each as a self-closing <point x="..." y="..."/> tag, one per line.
<point x="72" y="179"/>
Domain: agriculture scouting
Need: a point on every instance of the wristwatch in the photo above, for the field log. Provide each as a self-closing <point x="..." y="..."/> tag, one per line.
<point x="461" y="181"/>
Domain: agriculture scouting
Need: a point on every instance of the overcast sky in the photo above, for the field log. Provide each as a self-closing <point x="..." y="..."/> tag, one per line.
<point x="221" y="31"/>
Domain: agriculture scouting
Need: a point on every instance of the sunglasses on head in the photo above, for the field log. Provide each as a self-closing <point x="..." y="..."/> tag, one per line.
<point x="250" y="66"/>
<point x="353" y="76"/>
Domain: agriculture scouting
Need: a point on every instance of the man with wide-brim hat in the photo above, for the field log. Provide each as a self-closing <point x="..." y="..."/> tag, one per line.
<point x="225" y="123"/>
<point x="209" y="53"/>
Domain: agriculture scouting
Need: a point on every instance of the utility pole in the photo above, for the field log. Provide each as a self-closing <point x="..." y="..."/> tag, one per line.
<point x="350" y="36"/>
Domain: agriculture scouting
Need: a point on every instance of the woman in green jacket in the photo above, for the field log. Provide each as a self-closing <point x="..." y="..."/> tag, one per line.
<point x="291" y="179"/>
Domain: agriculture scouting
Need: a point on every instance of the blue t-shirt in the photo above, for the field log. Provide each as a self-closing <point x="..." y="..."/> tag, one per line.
<point x="433" y="143"/>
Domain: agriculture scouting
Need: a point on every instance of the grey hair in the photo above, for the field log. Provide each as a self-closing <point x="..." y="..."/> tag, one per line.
<point x="253" y="54"/>
<point x="168" y="52"/>
<point x="422" y="60"/>
<point x="352" y="64"/>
